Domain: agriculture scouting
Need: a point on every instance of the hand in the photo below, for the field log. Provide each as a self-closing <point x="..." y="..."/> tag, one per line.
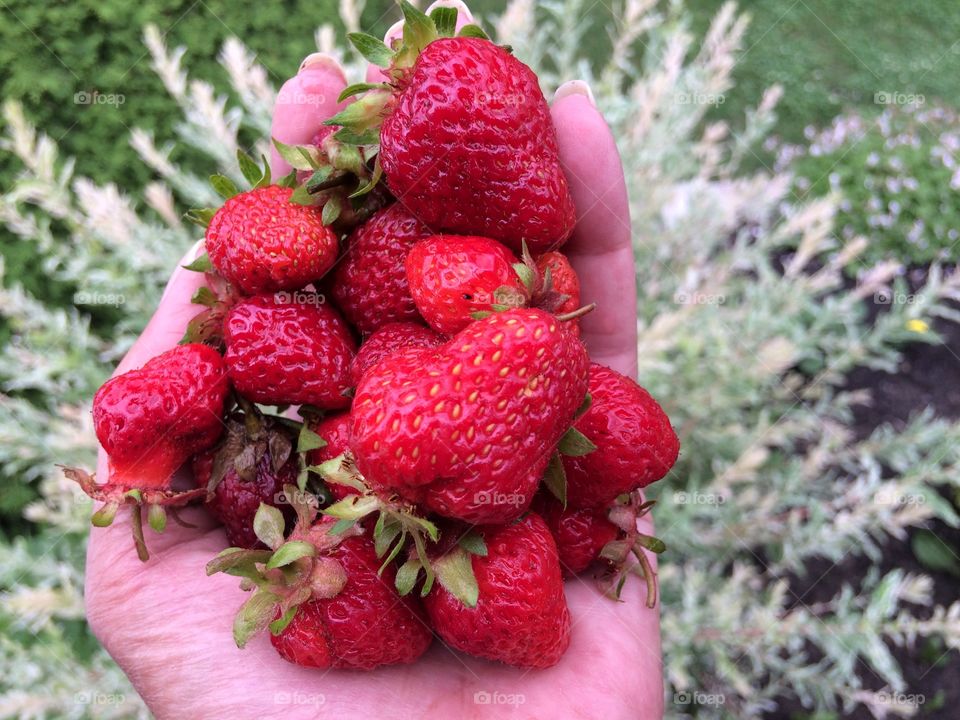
<point x="169" y="626"/>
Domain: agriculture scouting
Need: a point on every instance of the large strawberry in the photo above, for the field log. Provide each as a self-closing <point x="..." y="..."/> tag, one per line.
<point x="452" y="277"/>
<point x="329" y="606"/>
<point x="468" y="428"/>
<point x="370" y="283"/>
<point x="467" y="143"/>
<point x="149" y="422"/>
<point x="262" y="242"/>
<point x="389" y="340"/>
<point x="289" y="348"/>
<point x="515" y="611"/>
<point x="635" y="443"/>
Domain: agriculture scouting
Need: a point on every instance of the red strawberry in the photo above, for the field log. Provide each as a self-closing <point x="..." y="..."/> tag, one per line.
<point x="467" y="429"/>
<point x="289" y="348"/>
<point x="370" y="283"/>
<point x="367" y="624"/>
<point x="335" y="431"/>
<point x="580" y="534"/>
<point x="563" y="280"/>
<point x="150" y="421"/>
<point x="261" y="242"/>
<point x="635" y="444"/>
<point x="451" y="277"/>
<point x="389" y="340"/>
<point x="330" y="606"/>
<point x="520" y="616"/>
<point x="469" y="147"/>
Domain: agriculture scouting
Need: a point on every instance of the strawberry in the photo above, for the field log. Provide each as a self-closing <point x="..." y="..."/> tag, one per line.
<point x="330" y="607"/>
<point x="466" y="140"/>
<point x="518" y="613"/>
<point x="387" y="341"/>
<point x="635" y="444"/>
<point x="467" y="429"/>
<point x="289" y="348"/>
<point x="261" y="242"/>
<point x="367" y="624"/>
<point x="580" y="534"/>
<point x="370" y="284"/>
<point x="149" y="422"/>
<point x="562" y="279"/>
<point x="452" y="277"/>
<point x="249" y="467"/>
<point x="334" y="430"/>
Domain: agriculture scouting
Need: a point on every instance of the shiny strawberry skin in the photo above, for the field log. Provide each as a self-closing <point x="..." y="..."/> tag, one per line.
<point x="580" y="534"/>
<point x="369" y="284"/>
<point x="335" y="430"/>
<point x="365" y="626"/>
<point x="467" y="429"/>
<point x="636" y="445"/>
<point x="521" y="617"/>
<point x="470" y="148"/>
<point x="151" y="420"/>
<point x="235" y="500"/>
<point x="453" y="276"/>
<point x="289" y="348"/>
<point x="389" y="340"/>
<point x="261" y="242"/>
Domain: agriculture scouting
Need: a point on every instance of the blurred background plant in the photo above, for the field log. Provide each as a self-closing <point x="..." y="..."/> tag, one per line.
<point x="812" y="565"/>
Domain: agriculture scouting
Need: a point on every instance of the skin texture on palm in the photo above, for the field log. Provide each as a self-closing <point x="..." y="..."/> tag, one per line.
<point x="169" y="626"/>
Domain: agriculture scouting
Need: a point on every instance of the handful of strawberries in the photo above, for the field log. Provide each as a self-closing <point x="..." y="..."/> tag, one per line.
<point x="453" y="452"/>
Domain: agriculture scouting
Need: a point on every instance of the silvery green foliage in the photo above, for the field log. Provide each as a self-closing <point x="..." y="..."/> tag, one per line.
<point x="747" y="332"/>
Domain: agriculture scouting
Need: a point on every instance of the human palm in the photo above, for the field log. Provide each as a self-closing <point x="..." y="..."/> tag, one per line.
<point x="169" y="626"/>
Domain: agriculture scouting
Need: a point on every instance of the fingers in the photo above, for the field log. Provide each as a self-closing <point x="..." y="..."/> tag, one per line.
<point x="601" y="247"/>
<point x="464" y="17"/>
<point x="303" y="103"/>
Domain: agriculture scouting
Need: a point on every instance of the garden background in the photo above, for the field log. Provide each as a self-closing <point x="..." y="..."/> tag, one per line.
<point x="794" y="182"/>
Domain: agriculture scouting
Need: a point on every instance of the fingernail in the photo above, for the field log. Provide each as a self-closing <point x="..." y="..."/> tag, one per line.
<point x="395" y="31"/>
<point x="575" y="87"/>
<point x="322" y="60"/>
<point x="191" y="255"/>
<point x="463" y="12"/>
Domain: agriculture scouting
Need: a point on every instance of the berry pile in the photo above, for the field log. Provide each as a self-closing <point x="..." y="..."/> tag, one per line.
<point x="385" y="399"/>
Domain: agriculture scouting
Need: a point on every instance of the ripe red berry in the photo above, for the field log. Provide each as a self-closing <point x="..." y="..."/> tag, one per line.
<point x="467" y="429"/>
<point x="470" y="148"/>
<point x="563" y="281"/>
<point x="151" y="420"/>
<point x="367" y="624"/>
<point x="635" y="442"/>
<point x="335" y="431"/>
<point x="389" y="340"/>
<point x="580" y="534"/>
<point x="369" y="284"/>
<point x="452" y="277"/>
<point x="521" y="616"/>
<point x="289" y="348"/>
<point x="261" y="242"/>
